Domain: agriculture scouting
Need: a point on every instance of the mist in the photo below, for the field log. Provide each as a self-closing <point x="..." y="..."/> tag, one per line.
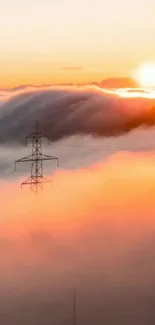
<point x="69" y="111"/>
<point x="94" y="230"/>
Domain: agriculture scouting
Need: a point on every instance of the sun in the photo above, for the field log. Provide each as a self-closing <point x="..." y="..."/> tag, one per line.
<point x="145" y="74"/>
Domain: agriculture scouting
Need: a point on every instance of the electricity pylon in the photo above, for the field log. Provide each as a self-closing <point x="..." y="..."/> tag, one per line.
<point x="36" y="180"/>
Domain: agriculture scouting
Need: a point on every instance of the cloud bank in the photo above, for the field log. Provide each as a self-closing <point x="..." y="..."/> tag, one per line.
<point x="92" y="231"/>
<point x="67" y="111"/>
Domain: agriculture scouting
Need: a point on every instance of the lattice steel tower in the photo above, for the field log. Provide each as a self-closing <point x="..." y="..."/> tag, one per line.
<point x="36" y="180"/>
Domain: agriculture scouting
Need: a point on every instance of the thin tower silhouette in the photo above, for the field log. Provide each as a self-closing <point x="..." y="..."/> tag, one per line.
<point x="74" y="307"/>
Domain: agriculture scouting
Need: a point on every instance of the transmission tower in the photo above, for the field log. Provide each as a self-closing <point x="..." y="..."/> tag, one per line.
<point x="36" y="180"/>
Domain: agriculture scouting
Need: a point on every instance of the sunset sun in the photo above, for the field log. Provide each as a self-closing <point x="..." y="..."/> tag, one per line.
<point x="145" y="75"/>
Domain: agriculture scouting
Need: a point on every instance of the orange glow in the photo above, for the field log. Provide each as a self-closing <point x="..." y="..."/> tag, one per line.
<point x="146" y="74"/>
<point x="135" y="93"/>
<point x="90" y="222"/>
<point x="47" y="36"/>
<point x="80" y="193"/>
<point x="30" y="75"/>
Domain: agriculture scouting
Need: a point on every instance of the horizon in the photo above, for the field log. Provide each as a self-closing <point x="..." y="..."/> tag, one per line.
<point x="111" y="82"/>
<point x="74" y="42"/>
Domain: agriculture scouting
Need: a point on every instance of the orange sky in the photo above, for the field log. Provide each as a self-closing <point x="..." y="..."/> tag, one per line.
<point x="42" y="40"/>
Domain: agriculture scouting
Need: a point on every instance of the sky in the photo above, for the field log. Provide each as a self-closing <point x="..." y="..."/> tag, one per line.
<point x="44" y="42"/>
<point x="95" y="229"/>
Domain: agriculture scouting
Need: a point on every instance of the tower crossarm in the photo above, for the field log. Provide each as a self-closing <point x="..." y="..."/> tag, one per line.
<point x="47" y="157"/>
<point x="42" y="157"/>
<point x="36" y="135"/>
<point x="24" y="159"/>
<point x="30" y="181"/>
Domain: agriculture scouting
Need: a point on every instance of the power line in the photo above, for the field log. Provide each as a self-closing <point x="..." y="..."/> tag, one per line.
<point x="108" y="149"/>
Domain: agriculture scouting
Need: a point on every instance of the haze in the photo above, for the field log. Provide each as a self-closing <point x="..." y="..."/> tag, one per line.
<point x="73" y="41"/>
<point x="85" y="71"/>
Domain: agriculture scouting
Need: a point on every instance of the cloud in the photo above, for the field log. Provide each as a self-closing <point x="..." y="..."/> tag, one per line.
<point x="125" y="82"/>
<point x="91" y="231"/>
<point x="72" y="68"/>
<point x="68" y="111"/>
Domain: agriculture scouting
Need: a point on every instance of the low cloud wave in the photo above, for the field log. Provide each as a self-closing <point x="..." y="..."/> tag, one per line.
<point x="67" y="111"/>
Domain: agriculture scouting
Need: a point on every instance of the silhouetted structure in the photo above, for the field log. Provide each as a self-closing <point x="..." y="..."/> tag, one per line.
<point x="36" y="180"/>
<point x="74" y="310"/>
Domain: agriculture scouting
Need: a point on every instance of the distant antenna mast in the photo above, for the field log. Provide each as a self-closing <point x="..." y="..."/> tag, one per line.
<point x="74" y="306"/>
<point x="36" y="180"/>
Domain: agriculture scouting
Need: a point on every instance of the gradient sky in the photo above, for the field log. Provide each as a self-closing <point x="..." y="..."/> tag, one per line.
<point x="42" y="41"/>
